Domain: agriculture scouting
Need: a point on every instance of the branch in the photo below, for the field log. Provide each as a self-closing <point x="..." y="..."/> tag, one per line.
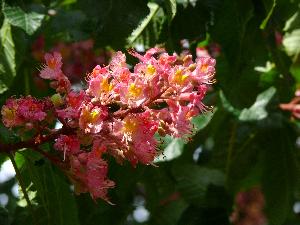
<point x="35" y="141"/>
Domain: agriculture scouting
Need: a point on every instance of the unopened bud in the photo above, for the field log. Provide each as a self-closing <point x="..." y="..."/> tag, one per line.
<point x="57" y="100"/>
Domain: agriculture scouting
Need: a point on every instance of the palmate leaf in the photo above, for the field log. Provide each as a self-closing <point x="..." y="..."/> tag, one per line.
<point x="29" y="22"/>
<point x="7" y="57"/>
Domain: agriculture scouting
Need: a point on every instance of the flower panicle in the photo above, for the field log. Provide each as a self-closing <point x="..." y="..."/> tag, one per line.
<point x="118" y="114"/>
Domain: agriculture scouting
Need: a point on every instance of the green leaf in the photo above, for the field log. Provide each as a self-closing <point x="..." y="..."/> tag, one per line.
<point x="7" y="57"/>
<point x="292" y="23"/>
<point x="115" y="21"/>
<point x="171" y="6"/>
<point x="257" y="111"/>
<point x="173" y="148"/>
<point x="142" y="26"/>
<point x="280" y="174"/>
<point x="53" y="193"/>
<point x="4" y="216"/>
<point x="29" y="22"/>
<point x="265" y="21"/>
<point x="227" y="105"/>
<point x="291" y="43"/>
<point x="201" y="121"/>
<point x="172" y="151"/>
<point x="168" y="213"/>
<point x="193" y="181"/>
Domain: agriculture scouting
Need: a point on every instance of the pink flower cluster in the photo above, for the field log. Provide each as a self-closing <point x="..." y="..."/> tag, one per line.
<point x="18" y="112"/>
<point x="119" y="113"/>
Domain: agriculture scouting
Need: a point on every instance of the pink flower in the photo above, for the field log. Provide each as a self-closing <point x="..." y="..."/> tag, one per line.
<point x="74" y="102"/>
<point x="132" y="93"/>
<point x="67" y="144"/>
<point x="148" y="55"/>
<point x="96" y="173"/>
<point x="139" y="132"/>
<point x="89" y="174"/>
<point x="118" y="60"/>
<point x="62" y="84"/>
<point x="181" y="117"/>
<point x="205" y="70"/>
<point x="31" y="109"/>
<point x="119" y="114"/>
<point x="92" y="117"/>
<point x="10" y="115"/>
<point x="52" y="70"/>
<point x="99" y="82"/>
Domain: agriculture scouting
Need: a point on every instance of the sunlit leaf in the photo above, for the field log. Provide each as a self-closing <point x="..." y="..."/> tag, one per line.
<point x="171" y="8"/>
<point x="265" y="21"/>
<point x="7" y="56"/>
<point x="29" y="22"/>
<point x="258" y="110"/>
<point x="137" y="32"/>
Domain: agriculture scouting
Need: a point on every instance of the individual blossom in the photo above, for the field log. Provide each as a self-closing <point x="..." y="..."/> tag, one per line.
<point x="96" y="172"/>
<point x="9" y="112"/>
<point x="180" y="79"/>
<point x="92" y="118"/>
<point x="99" y="83"/>
<point x="138" y="131"/>
<point x="132" y="93"/>
<point x="204" y="71"/>
<point x="52" y="69"/>
<point x="68" y="144"/>
<point x="31" y="109"/>
<point x="73" y="105"/>
<point x="181" y="119"/>
<point x="89" y="174"/>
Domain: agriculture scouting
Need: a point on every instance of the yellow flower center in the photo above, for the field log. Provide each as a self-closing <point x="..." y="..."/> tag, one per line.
<point x="179" y="77"/>
<point x="134" y="91"/>
<point x="8" y="113"/>
<point x="105" y="86"/>
<point x="204" y="68"/>
<point x="52" y="64"/>
<point x="130" y="125"/>
<point x="94" y="115"/>
<point x="150" y="70"/>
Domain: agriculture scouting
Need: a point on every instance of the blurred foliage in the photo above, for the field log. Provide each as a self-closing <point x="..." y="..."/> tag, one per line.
<point x="246" y="142"/>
